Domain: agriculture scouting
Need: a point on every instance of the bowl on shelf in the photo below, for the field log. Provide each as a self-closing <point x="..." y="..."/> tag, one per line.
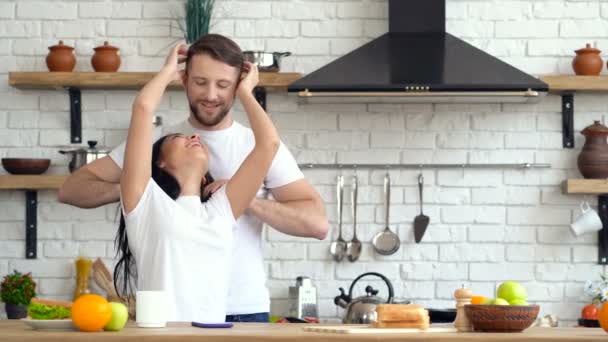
<point x="501" y="318"/>
<point x="25" y="166"/>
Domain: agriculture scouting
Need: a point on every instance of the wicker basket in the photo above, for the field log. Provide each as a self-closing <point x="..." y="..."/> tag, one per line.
<point x="501" y="318"/>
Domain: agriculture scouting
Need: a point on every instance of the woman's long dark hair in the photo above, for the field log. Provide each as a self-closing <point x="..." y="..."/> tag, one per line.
<point x="125" y="271"/>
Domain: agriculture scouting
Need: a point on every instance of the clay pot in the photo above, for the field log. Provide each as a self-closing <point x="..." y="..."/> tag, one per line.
<point x="106" y="58"/>
<point x="593" y="159"/>
<point x="587" y="61"/>
<point x="61" y="58"/>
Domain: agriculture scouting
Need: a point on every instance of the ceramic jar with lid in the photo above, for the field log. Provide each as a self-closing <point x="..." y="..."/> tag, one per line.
<point x="106" y="58"/>
<point x="593" y="159"/>
<point x="587" y="61"/>
<point x="61" y="58"/>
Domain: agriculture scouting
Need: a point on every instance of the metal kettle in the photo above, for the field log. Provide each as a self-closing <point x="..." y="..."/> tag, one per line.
<point x="362" y="310"/>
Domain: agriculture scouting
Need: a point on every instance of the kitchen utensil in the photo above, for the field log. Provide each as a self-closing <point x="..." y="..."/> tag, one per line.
<point x="386" y="242"/>
<point x="266" y="61"/>
<point x="593" y="159"/>
<point x="25" y="166"/>
<point x="338" y="247"/>
<point x="353" y="248"/>
<point x="501" y="318"/>
<point x="421" y="222"/>
<point x="83" y="156"/>
<point x="363" y="309"/>
<point x="303" y="299"/>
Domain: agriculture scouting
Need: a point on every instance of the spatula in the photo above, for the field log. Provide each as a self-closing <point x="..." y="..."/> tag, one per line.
<point x="421" y="221"/>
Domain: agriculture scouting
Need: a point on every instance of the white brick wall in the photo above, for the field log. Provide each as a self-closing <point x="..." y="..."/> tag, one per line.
<point x="486" y="225"/>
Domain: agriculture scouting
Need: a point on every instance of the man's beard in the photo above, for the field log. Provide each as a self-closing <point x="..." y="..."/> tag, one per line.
<point x="208" y="121"/>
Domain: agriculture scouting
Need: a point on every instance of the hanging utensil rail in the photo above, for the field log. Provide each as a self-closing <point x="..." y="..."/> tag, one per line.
<point x="426" y="166"/>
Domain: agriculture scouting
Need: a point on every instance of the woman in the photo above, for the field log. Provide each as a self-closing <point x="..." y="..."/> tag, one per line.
<point x="177" y="243"/>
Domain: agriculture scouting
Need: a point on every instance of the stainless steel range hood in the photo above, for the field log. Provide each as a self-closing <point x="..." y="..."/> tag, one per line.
<point x="417" y="61"/>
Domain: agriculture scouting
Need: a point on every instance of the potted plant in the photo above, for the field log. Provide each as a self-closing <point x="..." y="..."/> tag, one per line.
<point x="197" y="18"/>
<point x="16" y="291"/>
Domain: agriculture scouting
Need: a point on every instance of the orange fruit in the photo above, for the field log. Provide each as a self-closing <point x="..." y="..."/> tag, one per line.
<point x="91" y="312"/>
<point x="603" y="317"/>
<point x="478" y="299"/>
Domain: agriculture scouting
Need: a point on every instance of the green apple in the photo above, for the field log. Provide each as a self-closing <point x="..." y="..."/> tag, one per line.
<point x="488" y="301"/>
<point x="518" y="302"/>
<point x="120" y="316"/>
<point x="510" y="290"/>
<point x="500" y="301"/>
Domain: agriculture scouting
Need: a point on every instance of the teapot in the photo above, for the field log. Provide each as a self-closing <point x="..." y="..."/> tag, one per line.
<point x="362" y="310"/>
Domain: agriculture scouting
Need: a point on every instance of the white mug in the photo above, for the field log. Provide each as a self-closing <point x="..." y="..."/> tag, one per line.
<point x="151" y="309"/>
<point x="588" y="221"/>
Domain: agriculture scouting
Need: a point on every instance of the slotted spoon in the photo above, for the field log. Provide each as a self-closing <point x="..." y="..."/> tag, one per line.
<point x="386" y="242"/>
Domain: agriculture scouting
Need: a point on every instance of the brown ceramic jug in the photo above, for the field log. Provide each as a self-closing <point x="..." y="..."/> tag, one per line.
<point x="587" y="61"/>
<point x="106" y="58"/>
<point x="593" y="159"/>
<point x="61" y="58"/>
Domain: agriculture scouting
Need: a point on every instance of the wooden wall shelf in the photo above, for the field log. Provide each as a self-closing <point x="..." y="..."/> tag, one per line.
<point x="573" y="83"/>
<point x="586" y="186"/>
<point x="120" y="80"/>
<point x="597" y="187"/>
<point x="31" y="182"/>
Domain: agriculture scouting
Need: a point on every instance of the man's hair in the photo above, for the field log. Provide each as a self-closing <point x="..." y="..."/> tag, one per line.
<point x="219" y="47"/>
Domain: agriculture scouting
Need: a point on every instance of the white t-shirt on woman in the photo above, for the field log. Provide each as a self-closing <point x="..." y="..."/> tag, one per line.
<point x="228" y="148"/>
<point x="183" y="247"/>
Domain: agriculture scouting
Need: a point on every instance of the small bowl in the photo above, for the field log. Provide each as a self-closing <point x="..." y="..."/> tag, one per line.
<point x="25" y="166"/>
<point x="588" y="323"/>
<point x="501" y="318"/>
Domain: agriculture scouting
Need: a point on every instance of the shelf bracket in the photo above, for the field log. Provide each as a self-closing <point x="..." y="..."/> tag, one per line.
<point x="260" y="96"/>
<point x="31" y="223"/>
<point x="602" y="237"/>
<point x="568" y="120"/>
<point x="75" y="115"/>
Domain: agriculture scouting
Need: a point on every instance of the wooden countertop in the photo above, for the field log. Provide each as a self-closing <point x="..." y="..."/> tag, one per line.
<point x="256" y="332"/>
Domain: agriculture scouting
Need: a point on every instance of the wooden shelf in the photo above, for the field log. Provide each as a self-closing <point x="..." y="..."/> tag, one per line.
<point x="562" y="83"/>
<point x="31" y="182"/>
<point x="586" y="186"/>
<point x="120" y="80"/>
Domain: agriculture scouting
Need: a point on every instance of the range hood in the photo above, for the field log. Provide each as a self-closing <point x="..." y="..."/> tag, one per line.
<point x="418" y="61"/>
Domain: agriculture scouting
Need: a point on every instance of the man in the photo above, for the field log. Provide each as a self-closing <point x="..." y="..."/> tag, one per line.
<point x="297" y="210"/>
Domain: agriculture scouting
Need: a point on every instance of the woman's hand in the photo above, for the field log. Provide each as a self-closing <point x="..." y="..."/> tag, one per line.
<point x="251" y="79"/>
<point x="176" y="57"/>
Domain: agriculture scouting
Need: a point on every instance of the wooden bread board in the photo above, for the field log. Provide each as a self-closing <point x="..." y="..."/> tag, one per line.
<point x="366" y="329"/>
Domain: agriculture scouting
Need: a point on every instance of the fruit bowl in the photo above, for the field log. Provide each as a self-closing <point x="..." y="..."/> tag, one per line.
<point x="501" y="318"/>
<point x="25" y="166"/>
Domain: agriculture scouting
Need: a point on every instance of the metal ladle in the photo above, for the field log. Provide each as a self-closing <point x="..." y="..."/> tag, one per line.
<point x="338" y="247"/>
<point x="386" y="242"/>
<point x="353" y="248"/>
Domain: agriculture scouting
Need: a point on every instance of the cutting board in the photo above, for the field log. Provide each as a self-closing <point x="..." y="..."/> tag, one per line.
<point x="366" y="329"/>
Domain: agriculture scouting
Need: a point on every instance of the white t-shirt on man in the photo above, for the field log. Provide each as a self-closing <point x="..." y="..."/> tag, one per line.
<point x="183" y="247"/>
<point x="228" y="148"/>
